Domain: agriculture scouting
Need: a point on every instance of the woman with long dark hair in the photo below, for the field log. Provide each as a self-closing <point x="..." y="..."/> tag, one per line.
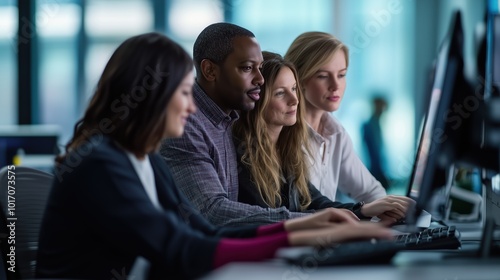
<point x="114" y="209"/>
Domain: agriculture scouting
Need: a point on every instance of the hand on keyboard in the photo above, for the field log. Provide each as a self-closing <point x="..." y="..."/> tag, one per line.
<point x="341" y="232"/>
<point x="388" y="209"/>
<point x="373" y="251"/>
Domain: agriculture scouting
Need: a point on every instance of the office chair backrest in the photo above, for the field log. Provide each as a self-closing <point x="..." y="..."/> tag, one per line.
<point x="23" y="195"/>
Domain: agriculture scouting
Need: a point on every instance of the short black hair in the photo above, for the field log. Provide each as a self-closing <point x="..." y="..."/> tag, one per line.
<point x="215" y="42"/>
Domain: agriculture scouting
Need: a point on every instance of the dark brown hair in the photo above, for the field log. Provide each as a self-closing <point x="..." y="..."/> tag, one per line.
<point x="129" y="104"/>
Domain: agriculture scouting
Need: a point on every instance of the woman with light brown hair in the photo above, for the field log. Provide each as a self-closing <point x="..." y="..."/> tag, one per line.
<point x="273" y="150"/>
<point x="265" y="136"/>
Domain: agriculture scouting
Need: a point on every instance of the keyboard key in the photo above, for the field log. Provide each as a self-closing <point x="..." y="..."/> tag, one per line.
<point x="446" y="237"/>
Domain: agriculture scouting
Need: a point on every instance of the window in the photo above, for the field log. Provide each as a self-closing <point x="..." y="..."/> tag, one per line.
<point x="276" y="23"/>
<point x="108" y="24"/>
<point x="187" y="18"/>
<point x="58" y="23"/>
<point x="8" y="58"/>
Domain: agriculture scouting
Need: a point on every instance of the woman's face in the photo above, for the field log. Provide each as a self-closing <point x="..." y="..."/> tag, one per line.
<point x="179" y="108"/>
<point x="325" y="89"/>
<point x="282" y="107"/>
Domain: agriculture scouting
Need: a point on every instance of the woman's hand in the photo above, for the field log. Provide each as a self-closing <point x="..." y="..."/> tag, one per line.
<point x="339" y="233"/>
<point x="389" y="208"/>
<point x="324" y="218"/>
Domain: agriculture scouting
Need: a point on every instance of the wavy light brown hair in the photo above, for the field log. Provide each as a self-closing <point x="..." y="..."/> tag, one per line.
<point x="269" y="163"/>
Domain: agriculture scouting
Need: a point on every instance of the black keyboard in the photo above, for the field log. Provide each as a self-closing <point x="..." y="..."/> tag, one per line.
<point x="352" y="253"/>
<point x="374" y="251"/>
<point x="446" y="237"/>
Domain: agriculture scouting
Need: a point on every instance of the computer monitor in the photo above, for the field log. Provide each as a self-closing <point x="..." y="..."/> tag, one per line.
<point x="491" y="109"/>
<point x="445" y="120"/>
<point x="37" y="142"/>
<point x="488" y="64"/>
<point x="492" y="63"/>
<point x="491" y="126"/>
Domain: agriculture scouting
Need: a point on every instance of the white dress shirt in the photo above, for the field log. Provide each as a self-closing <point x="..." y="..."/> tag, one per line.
<point x="336" y="164"/>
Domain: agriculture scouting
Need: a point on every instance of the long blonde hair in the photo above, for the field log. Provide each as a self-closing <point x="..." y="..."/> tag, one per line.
<point x="269" y="163"/>
<point x="310" y="50"/>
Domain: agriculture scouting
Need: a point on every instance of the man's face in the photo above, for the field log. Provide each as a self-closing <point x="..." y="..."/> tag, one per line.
<point x="239" y="79"/>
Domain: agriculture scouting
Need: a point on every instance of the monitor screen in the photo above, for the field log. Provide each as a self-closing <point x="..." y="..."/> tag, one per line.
<point x="30" y="141"/>
<point x="423" y="147"/>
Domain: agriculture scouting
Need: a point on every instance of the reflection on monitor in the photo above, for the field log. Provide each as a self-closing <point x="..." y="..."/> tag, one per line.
<point x="424" y="145"/>
<point x="36" y="142"/>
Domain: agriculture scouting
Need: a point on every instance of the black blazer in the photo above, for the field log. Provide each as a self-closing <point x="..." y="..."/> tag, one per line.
<point x="99" y="219"/>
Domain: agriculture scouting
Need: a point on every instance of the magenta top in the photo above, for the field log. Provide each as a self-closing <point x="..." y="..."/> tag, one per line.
<point x="269" y="238"/>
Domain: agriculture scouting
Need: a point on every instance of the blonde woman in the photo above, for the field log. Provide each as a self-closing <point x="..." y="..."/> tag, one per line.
<point x="272" y="148"/>
<point x="322" y="61"/>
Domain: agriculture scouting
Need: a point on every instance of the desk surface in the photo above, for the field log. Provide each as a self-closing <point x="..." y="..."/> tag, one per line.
<point x="412" y="265"/>
<point x="263" y="271"/>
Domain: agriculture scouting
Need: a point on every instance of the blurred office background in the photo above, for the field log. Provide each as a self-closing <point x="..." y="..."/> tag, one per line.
<point x="63" y="46"/>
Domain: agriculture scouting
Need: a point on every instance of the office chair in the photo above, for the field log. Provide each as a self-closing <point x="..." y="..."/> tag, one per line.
<point x="22" y="204"/>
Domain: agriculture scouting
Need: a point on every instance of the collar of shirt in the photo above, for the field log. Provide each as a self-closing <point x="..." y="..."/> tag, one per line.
<point x="211" y="110"/>
<point x="329" y="124"/>
<point x="330" y="127"/>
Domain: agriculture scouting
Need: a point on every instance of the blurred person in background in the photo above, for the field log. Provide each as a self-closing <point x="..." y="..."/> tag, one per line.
<point x="373" y="139"/>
